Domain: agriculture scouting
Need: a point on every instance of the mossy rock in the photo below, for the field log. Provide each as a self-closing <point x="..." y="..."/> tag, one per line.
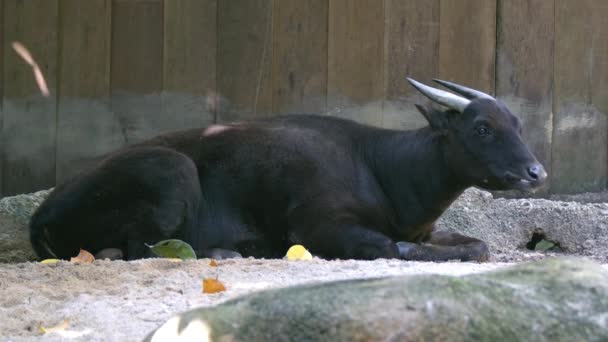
<point x="559" y="299"/>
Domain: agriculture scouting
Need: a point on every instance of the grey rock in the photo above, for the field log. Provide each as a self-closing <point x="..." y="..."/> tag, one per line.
<point x="110" y="254"/>
<point x="587" y="197"/>
<point x="509" y="224"/>
<point x="15" y="213"/>
<point x="556" y="299"/>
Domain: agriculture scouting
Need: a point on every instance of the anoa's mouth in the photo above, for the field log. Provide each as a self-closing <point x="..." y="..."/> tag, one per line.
<point x="518" y="182"/>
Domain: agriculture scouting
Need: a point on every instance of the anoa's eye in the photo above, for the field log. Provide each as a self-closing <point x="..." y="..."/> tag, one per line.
<point x="482" y="130"/>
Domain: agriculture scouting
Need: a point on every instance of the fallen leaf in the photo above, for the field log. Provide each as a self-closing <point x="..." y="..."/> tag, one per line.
<point x="173" y="248"/>
<point x="44" y="89"/>
<point x="211" y="285"/>
<point x="544" y="245"/>
<point x="59" y="327"/>
<point x="24" y="53"/>
<point x="298" y="252"/>
<point x="83" y="257"/>
<point x="49" y="261"/>
<point x="213" y="263"/>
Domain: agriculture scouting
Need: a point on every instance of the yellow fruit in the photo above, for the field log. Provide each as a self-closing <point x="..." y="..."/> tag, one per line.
<point x="49" y="261"/>
<point x="298" y="252"/>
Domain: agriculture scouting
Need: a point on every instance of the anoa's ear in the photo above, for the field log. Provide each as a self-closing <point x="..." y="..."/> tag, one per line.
<point x="437" y="119"/>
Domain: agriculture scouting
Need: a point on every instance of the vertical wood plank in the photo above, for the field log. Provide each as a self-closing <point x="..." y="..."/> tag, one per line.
<point x="467" y="42"/>
<point x="136" y="68"/>
<point x="412" y="50"/>
<point x="355" y="59"/>
<point x="244" y="59"/>
<point x="524" y="69"/>
<point x="189" y="61"/>
<point x="86" y="127"/>
<point x="580" y="134"/>
<point x="599" y="79"/>
<point x="2" y="57"/>
<point x="299" y="62"/>
<point x="29" y="125"/>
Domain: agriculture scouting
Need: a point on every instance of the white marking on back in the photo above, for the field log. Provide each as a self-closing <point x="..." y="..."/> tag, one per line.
<point x="215" y="129"/>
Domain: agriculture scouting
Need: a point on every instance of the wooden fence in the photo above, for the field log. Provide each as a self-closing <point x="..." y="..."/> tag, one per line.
<point x="124" y="70"/>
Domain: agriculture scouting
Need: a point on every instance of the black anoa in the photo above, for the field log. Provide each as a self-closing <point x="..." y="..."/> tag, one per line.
<point x="342" y="189"/>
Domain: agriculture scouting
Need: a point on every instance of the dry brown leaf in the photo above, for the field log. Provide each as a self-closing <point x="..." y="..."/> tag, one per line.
<point x="44" y="89"/>
<point x="59" y="327"/>
<point x="24" y="53"/>
<point x="211" y="285"/>
<point x="83" y="257"/>
<point x="213" y="263"/>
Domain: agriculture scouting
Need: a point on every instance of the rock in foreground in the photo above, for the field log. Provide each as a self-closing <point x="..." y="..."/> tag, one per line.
<point x="558" y="299"/>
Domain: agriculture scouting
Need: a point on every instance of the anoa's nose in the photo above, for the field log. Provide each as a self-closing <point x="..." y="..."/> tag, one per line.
<point x="537" y="173"/>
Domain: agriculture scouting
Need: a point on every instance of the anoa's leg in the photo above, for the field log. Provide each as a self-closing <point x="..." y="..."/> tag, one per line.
<point x="336" y="234"/>
<point x="139" y="195"/>
<point x="442" y="246"/>
<point x="348" y="242"/>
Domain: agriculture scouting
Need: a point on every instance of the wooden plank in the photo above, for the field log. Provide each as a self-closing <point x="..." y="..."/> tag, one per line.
<point x="580" y="134"/>
<point x="29" y="118"/>
<point x="86" y="127"/>
<point x="189" y="63"/>
<point x="355" y="59"/>
<point x="136" y="68"/>
<point x="2" y="54"/>
<point x="299" y="64"/>
<point x="524" y="69"/>
<point x="599" y="77"/>
<point x="412" y="50"/>
<point x="244" y="59"/>
<point x="467" y="42"/>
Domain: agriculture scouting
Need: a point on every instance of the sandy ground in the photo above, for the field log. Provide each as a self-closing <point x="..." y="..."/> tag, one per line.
<point x="123" y="301"/>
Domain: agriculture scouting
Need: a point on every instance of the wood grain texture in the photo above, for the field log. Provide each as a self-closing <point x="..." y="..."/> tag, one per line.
<point x="136" y="69"/>
<point x="1" y="98"/>
<point x="524" y="69"/>
<point x="412" y="50"/>
<point x="355" y="60"/>
<point x="580" y="134"/>
<point x="86" y="128"/>
<point x="467" y="42"/>
<point x="189" y="61"/>
<point x="244" y="59"/>
<point x="299" y="63"/>
<point x="29" y="118"/>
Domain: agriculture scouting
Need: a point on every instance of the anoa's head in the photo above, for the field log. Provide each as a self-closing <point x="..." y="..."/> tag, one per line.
<point x="482" y="139"/>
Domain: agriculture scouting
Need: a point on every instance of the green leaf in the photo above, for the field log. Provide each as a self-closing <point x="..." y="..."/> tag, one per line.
<point x="173" y="248"/>
<point x="544" y="245"/>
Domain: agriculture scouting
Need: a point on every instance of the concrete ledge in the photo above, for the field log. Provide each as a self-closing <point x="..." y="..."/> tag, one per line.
<point x="15" y="213"/>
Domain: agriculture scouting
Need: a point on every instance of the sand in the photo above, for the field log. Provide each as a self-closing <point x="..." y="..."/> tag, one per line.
<point x="123" y="301"/>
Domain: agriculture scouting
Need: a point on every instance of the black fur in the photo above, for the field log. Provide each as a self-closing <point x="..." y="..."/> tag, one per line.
<point x="342" y="189"/>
